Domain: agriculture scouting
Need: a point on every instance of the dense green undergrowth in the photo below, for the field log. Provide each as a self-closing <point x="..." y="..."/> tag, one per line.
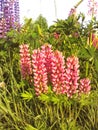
<point x="20" y="108"/>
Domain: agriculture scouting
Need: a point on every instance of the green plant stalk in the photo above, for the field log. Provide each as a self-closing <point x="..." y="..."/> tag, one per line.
<point x="87" y="68"/>
<point x="78" y="3"/>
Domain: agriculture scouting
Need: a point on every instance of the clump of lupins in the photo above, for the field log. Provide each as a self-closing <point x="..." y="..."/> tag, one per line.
<point x="54" y="63"/>
<point x="47" y="67"/>
<point x="25" y="61"/>
<point x="39" y="72"/>
<point x="72" y="75"/>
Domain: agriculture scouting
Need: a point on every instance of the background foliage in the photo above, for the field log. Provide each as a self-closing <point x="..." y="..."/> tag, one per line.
<point x="20" y="108"/>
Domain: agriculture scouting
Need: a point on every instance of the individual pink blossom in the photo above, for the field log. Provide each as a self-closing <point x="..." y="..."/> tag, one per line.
<point x="56" y="35"/>
<point x="39" y="72"/>
<point x="71" y="75"/>
<point x="84" y="86"/>
<point x="25" y="61"/>
<point x="58" y="73"/>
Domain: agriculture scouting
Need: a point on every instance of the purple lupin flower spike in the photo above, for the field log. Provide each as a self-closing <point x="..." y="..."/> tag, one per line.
<point x="9" y="11"/>
<point x="16" y="9"/>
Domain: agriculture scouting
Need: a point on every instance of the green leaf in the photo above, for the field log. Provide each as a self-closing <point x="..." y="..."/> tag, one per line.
<point x="34" y="35"/>
<point x="96" y="65"/>
<point x="39" y="30"/>
<point x="84" y="100"/>
<point x="55" y="100"/>
<point x="29" y="127"/>
<point x="44" y="98"/>
<point x="87" y="53"/>
<point x="27" y="95"/>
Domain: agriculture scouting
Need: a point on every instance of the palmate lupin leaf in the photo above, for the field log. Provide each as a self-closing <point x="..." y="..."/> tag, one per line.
<point x="44" y="98"/>
<point x="27" y="95"/>
<point x="87" y="53"/>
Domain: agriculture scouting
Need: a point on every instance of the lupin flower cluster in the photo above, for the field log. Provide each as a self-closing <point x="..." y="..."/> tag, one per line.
<point x="72" y="75"/>
<point x="93" y="7"/>
<point x="84" y="86"/>
<point x="39" y="72"/>
<point x="58" y="73"/>
<point x="25" y="61"/>
<point x="48" y="67"/>
<point x="2" y="28"/>
<point x="48" y="53"/>
<point x="9" y="12"/>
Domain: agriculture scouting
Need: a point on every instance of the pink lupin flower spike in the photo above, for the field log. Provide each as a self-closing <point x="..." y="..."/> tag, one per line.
<point x="72" y="75"/>
<point x="48" y="52"/>
<point x="39" y="72"/>
<point x="58" y="73"/>
<point x="84" y="86"/>
<point x="25" y="61"/>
